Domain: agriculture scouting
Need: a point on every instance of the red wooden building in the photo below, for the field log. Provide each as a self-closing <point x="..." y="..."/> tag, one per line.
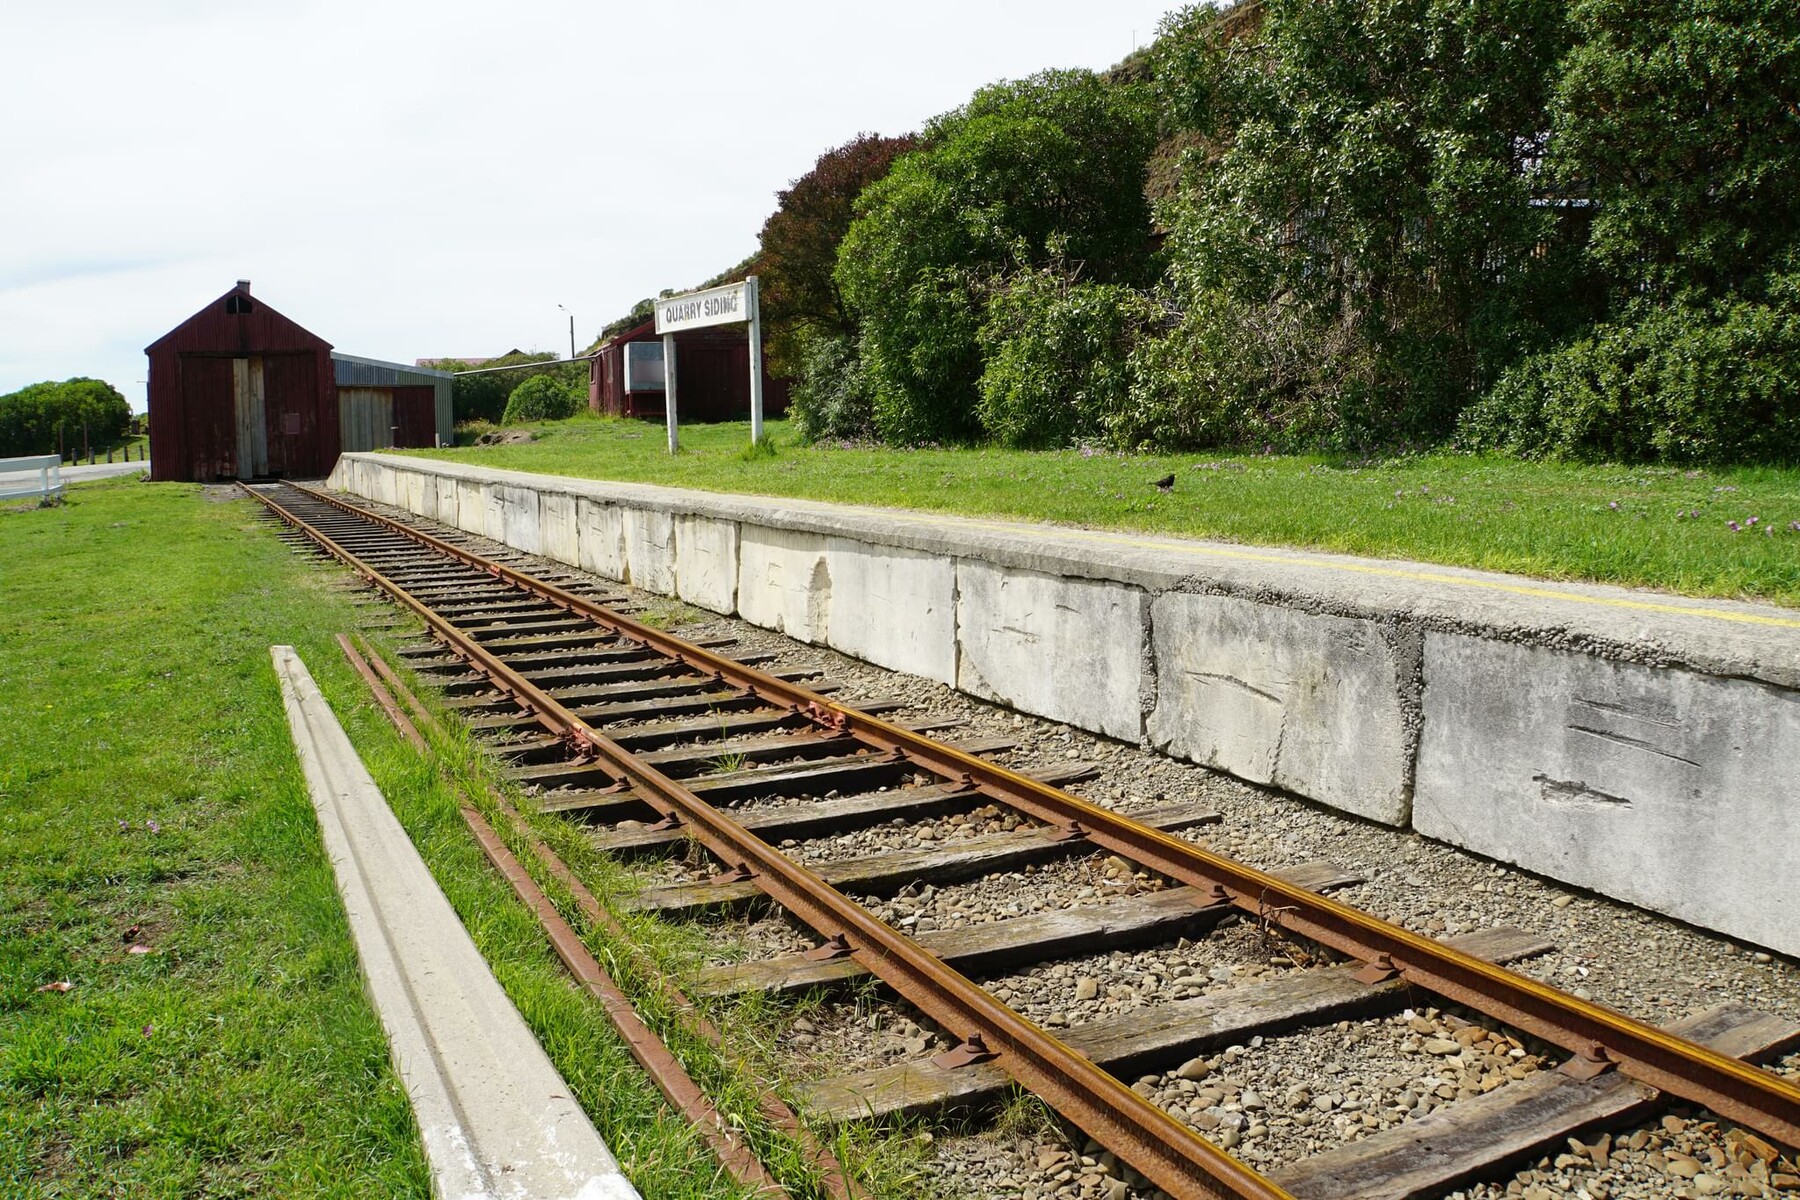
<point x="712" y="375"/>
<point x="238" y="391"/>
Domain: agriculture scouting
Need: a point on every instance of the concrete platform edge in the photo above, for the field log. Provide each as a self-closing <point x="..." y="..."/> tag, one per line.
<point x="1599" y="726"/>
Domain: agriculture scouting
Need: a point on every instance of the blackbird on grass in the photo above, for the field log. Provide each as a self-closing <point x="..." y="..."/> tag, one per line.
<point x="1165" y="485"/>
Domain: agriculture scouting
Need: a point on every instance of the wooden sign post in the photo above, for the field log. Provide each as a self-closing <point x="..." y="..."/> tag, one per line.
<point x="726" y="305"/>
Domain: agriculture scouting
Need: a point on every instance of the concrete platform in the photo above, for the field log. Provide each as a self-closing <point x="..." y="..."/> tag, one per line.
<point x="496" y="1118"/>
<point x="1640" y="744"/>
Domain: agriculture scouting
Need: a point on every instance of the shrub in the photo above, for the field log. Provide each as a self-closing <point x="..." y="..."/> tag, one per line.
<point x="831" y="397"/>
<point x="1686" y="382"/>
<point x="483" y="397"/>
<point x="542" y="398"/>
<point x="1056" y="354"/>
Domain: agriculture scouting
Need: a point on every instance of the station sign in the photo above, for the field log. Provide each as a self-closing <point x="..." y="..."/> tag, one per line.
<point x="728" y="305"/>
<point x="732" y="304"/>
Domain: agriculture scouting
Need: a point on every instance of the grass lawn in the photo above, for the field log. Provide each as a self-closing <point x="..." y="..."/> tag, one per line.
<point x="1660" y="527"/>
<point x="158" y="853"/>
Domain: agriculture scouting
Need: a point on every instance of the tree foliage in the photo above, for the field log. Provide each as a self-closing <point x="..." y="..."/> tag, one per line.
<point x="830" y="400"/>
<point x="1680" y="122"/>
<point x="800" y="297"/>
<point x="1373" y="200"/>
<point x="1028" y="171"/>
<point x="43" y="418"/>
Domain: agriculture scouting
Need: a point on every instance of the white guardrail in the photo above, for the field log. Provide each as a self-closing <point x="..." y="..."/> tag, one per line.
<point x="15" y="475"/>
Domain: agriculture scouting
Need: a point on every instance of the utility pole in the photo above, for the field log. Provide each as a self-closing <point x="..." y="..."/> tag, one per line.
<point x="571" y="333"/>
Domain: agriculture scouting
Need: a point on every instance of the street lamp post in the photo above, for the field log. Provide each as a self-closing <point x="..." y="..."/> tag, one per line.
<point x="571" y="333"/>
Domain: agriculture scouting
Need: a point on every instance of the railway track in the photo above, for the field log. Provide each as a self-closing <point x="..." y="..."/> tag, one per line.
<point x="756" y="788"/>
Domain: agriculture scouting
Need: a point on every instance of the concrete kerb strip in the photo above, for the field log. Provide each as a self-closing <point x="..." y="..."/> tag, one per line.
<point x="497" y="1120"/>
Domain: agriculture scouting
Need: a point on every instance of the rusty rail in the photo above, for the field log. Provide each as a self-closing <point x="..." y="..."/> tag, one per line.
<point x="1600" y="1038"/>
<point x="834" y="1179"/>
<point x="1166" y="1152"/>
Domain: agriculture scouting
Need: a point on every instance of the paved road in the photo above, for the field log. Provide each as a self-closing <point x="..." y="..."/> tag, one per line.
<point x="102" y="471"/>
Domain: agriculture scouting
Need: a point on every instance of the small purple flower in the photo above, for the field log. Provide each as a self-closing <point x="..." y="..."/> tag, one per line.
<point x="1734" y="526"/>
<point x="152" y="826"/>
<point x="124" y="825"/>
<point x="149" y="1029"/>
<point x="1794" y="525"/>
<point x="1752" y="520"/>
<point x="1614" y="505"/>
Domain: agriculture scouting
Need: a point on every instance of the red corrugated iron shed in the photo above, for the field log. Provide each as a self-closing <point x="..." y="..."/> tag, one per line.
<point x="240" y="391"/>
<point x="712" y="377"/>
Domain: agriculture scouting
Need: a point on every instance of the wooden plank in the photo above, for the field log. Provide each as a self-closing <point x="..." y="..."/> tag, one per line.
<point x="977" y="950"/>
<point x="601" y="807"/>
<point x="780" y="778"/>
<point x="1479" y="1136"/>
<point x="681" y="696"/>
<point x="623" y="652"/>
<point x="565" y="641"/>
<point x="1131" y="1043"/>
<point x="960" y="859"/>
<point x="813" y="818"/>
<point x="667" y="733"/>
<point x="486" y="633"/>
<point x="574" y="684"/>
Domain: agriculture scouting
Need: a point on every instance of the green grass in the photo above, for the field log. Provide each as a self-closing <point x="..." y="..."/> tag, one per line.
<point x="149" y="795"/>
<point x="1660" y="527"/>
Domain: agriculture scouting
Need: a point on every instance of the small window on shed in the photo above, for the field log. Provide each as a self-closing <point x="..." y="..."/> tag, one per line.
<point x="237" y="304"/>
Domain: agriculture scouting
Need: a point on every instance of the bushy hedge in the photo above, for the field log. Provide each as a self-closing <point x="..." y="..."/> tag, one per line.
<point x="542" y="397"/>
<point x="1717" y="382"/>
<point x="1056" y="354"/>
<point x="32" y="418"/>
<point x="830" y="400"/>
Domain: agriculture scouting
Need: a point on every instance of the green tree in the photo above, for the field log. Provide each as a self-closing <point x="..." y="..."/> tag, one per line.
<point x="1368" y="214"/>
<point x="1028" y="171"/>
<point x="43" y="417"/>
<point x="799" y="296"/>
<point x="482" y="397"/>
<point x="1680" y="123"/>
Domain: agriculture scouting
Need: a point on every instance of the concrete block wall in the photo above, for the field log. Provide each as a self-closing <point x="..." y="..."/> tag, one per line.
<point x="1641" y="745"/>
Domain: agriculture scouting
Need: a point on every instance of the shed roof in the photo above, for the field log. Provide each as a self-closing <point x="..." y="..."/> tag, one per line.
<point x="238" y="323"/>
<point x="354" y="371"/>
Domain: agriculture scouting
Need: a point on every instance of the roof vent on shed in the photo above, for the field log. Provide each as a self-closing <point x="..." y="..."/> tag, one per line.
<point x="238" y="302"/>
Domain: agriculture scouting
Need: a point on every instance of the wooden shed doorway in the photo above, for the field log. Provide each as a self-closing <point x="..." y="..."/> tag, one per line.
<point x="249" y="405"/>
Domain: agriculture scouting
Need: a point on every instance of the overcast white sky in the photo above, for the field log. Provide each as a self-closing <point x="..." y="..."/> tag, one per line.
<point x="410" y="180"/>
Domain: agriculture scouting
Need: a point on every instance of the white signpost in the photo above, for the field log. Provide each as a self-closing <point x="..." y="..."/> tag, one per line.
<point x="726" y="305"/>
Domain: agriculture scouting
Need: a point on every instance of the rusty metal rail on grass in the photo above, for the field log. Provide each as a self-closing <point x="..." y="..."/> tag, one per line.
<point x="1171" y="1155"/>
<point x="1599" y="1038"/>
<point x="651" y="1053"/>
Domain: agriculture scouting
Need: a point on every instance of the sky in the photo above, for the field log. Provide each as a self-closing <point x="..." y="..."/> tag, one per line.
<point x="414" y="180"/>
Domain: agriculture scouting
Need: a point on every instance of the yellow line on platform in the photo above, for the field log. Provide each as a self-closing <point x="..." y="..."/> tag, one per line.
<point x="1303" y="559"/>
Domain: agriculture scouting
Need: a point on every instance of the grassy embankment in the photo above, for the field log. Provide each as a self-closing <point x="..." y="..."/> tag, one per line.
<point x="1660" y="527"/>
<point x="158" y="853"/>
